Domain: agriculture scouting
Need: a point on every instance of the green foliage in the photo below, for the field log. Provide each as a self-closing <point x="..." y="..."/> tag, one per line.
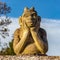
<point x="4" y="9"/>
<point x="9" y="50"/>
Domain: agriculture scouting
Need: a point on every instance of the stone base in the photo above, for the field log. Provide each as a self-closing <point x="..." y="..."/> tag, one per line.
<point x="8" y="57"/>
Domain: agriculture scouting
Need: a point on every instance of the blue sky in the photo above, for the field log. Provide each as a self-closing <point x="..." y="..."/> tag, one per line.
<point x="45" y="8"/>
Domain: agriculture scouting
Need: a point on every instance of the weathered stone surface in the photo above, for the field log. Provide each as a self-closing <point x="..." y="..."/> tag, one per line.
<point x="6" y="57"/>
<point x="30" y="38"/>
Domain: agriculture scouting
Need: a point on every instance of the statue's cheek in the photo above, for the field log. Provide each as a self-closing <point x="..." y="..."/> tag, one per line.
<point x="35" y="22"/>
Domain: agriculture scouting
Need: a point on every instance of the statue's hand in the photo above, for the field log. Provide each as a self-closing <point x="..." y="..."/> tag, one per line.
<point x="33" y="29"/>
<point x="25" y="27"/>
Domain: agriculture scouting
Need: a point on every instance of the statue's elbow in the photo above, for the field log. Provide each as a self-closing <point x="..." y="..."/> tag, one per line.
<point x="45" y="50"/>
<point x="16" y="51"/>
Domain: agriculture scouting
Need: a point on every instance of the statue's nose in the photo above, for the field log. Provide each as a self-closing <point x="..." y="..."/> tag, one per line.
<point x="30" y="17"/>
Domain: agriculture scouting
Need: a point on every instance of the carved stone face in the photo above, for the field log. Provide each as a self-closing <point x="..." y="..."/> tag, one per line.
<point x="30" y="17"/>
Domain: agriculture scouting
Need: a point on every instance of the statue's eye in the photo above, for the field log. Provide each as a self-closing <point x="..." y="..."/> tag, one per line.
<point x="26" y="14"/>
<point x="34" y="15"/>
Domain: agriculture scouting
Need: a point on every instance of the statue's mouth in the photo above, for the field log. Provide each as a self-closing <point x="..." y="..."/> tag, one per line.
<point x="31" y="23"/>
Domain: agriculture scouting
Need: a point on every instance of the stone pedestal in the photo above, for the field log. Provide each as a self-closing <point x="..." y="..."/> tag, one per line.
<point x="8" y="57"/>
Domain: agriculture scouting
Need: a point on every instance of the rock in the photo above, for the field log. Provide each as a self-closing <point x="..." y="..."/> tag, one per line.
<point x="8" y="57"/>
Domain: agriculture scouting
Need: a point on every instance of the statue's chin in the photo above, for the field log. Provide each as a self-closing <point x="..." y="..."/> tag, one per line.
<point x="31" y="26"/>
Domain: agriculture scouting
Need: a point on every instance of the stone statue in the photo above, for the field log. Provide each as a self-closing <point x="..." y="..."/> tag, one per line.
<point x="30" y="38"/>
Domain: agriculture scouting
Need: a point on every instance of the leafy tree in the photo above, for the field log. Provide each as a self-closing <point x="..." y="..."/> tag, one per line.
<point x="9" y="50"/>
<point x="4" y="22"/>
<point x="4" y="9"/>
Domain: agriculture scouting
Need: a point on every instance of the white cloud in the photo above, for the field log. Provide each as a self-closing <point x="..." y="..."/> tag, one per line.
<point x="52" y="28"/>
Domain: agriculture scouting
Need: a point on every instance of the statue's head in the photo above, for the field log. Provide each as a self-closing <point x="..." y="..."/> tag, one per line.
<point x="30" y="17"/>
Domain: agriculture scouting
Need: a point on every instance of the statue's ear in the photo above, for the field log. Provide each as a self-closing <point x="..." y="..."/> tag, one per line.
<point x="26" y="9"/>
<point x="20" y="20"/>
<point x="32" y="9"/>
<point x="39" y="18"/>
